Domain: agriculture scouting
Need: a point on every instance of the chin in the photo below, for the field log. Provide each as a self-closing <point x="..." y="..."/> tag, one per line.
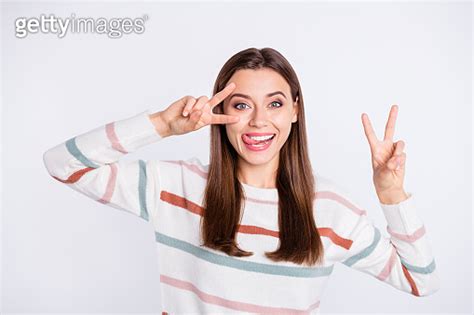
<point x="257" y="158"/>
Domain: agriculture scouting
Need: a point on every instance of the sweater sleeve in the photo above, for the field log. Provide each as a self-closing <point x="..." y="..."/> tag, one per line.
<point x="90" y="164"/>
<point x="404" y="259"/>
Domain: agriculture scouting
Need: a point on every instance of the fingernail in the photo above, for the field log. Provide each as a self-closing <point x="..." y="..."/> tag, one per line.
<point x="185" y="113"/>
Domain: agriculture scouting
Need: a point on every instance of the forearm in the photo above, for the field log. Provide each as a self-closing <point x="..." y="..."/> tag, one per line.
<point x="100" y="146"/>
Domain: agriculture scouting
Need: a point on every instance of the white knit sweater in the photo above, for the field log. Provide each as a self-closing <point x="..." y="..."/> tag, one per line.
<point x="197" y="279"/>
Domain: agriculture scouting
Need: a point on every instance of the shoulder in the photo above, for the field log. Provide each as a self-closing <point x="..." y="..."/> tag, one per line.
<point x="325" y="183"/>
<point x="188" y="168"/>
<point x="186" y="178"/>
<point x="335" y="202"/>
<point x="332" y="187"/>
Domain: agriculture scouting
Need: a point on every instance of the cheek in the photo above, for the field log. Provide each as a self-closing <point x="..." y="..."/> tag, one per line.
<point x="282" y="121"/>
<point x="232" y="131"/>
<point x="283" y="124"/>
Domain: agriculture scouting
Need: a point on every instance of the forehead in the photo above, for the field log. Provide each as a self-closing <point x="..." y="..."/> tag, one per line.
<point x="259" y="82"/>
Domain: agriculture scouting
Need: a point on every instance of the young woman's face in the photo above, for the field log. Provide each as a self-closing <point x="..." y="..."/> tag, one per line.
<point x="262" y="99"/>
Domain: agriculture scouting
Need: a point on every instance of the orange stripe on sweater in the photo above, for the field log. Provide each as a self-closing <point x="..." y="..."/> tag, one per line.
<point x="252" y="229"/>
<point x="414" y="289"/>
<point x="75" y="176"/>
<point x="249" y="229"/>
<point x="181" y="202"/>
<point x="335" y="238"/>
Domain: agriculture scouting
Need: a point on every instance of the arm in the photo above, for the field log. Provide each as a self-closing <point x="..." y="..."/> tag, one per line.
<point x="403" y="260"/>
<point x="90" y="164"/>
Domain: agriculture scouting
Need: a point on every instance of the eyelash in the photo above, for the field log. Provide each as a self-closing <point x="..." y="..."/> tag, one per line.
<point x="235" y="106"/>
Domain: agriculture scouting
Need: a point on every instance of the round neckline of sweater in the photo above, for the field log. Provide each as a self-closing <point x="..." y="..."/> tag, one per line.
<point x="259" y="192"/>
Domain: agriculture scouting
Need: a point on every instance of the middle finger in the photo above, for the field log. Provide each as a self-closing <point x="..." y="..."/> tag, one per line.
<point x="221" y="95"/>
<point x="200" y="103"/>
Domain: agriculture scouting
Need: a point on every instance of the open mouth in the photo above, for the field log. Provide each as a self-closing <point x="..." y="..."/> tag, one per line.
<point x="258" y="142"/>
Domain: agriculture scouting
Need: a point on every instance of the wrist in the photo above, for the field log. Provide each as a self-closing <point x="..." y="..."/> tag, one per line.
<point x="392" y="197"/>
<point x="161" y="125"/>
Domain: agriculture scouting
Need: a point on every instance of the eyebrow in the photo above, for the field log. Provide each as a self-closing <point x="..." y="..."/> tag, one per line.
<point x="249" y="98"/>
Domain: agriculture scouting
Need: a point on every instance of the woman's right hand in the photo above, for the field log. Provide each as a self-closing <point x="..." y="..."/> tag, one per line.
<point x="189" y="114"/>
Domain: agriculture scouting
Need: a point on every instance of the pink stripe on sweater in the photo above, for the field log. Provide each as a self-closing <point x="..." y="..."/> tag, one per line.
<point x="112" y="136"/>
<point x="240" y="306"/>
<point x="320" y="194"/>
<point x="109" y="191"/>
<point x="388" y="266"/>
<point x="408" y="238"/>
<point x="268" y="202"/>
<point x="192" y="167"/>
<point x="333" y="196"/>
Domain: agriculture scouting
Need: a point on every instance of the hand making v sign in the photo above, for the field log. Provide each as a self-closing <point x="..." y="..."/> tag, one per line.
<point x="190" y="114"/>
<point x="388" y="160"/>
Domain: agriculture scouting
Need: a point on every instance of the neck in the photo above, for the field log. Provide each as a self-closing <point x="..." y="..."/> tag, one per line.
<point x="261" y="175"/>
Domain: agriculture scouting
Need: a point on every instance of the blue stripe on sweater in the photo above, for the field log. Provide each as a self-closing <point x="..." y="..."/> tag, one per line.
<point x="428" y="269"/>
<point x="142" y="189"/>
<point x="366" y="252"/>
<point x="229" y="261"/>
<point x="74" y="150"/>
<point x="369" y="249"/>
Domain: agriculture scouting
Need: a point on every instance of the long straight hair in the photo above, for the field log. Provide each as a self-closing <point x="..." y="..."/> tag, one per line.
<point x="223" y="201"/>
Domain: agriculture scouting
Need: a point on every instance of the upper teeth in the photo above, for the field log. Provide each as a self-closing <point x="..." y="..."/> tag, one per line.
<point x="260" y="138"/>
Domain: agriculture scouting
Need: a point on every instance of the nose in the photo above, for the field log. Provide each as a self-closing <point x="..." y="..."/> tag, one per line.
<point x="259" y="117"/>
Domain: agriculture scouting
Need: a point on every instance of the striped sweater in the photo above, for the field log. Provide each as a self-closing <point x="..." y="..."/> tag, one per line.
<point x="168" y="194"/>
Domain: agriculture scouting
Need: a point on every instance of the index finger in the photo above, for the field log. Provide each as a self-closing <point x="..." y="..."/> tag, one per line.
<point x="224" y="119"/>
<point x="390" y="126"/>
<point x="369" y="131"/>
<point x="221" y="95"/>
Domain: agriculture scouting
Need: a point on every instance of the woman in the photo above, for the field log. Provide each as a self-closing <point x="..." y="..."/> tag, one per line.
<point x="256" y="230"/>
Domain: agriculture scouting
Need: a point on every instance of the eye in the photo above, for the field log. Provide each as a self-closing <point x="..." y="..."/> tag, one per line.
<point x="280" y="104"/>
<point x="236" y="105"/>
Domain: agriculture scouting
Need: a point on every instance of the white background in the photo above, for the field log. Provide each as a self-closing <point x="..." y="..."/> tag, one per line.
<point x="62" y="252"/>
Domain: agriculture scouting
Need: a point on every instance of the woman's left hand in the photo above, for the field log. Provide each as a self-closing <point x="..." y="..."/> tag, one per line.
<point x="388" y="159"/>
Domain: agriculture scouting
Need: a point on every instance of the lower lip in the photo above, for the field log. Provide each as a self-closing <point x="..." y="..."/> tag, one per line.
<point x="260" y="147"/>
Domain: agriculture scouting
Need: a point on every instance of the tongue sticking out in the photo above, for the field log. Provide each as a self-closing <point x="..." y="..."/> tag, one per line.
<point x="249" y="140"/>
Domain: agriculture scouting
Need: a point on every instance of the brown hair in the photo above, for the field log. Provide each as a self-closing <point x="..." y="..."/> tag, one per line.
<point x="300" y="241"/>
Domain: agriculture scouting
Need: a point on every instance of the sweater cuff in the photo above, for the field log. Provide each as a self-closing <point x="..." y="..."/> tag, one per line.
<point x="402" y="217"/>
<point x="136" y="131"/>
